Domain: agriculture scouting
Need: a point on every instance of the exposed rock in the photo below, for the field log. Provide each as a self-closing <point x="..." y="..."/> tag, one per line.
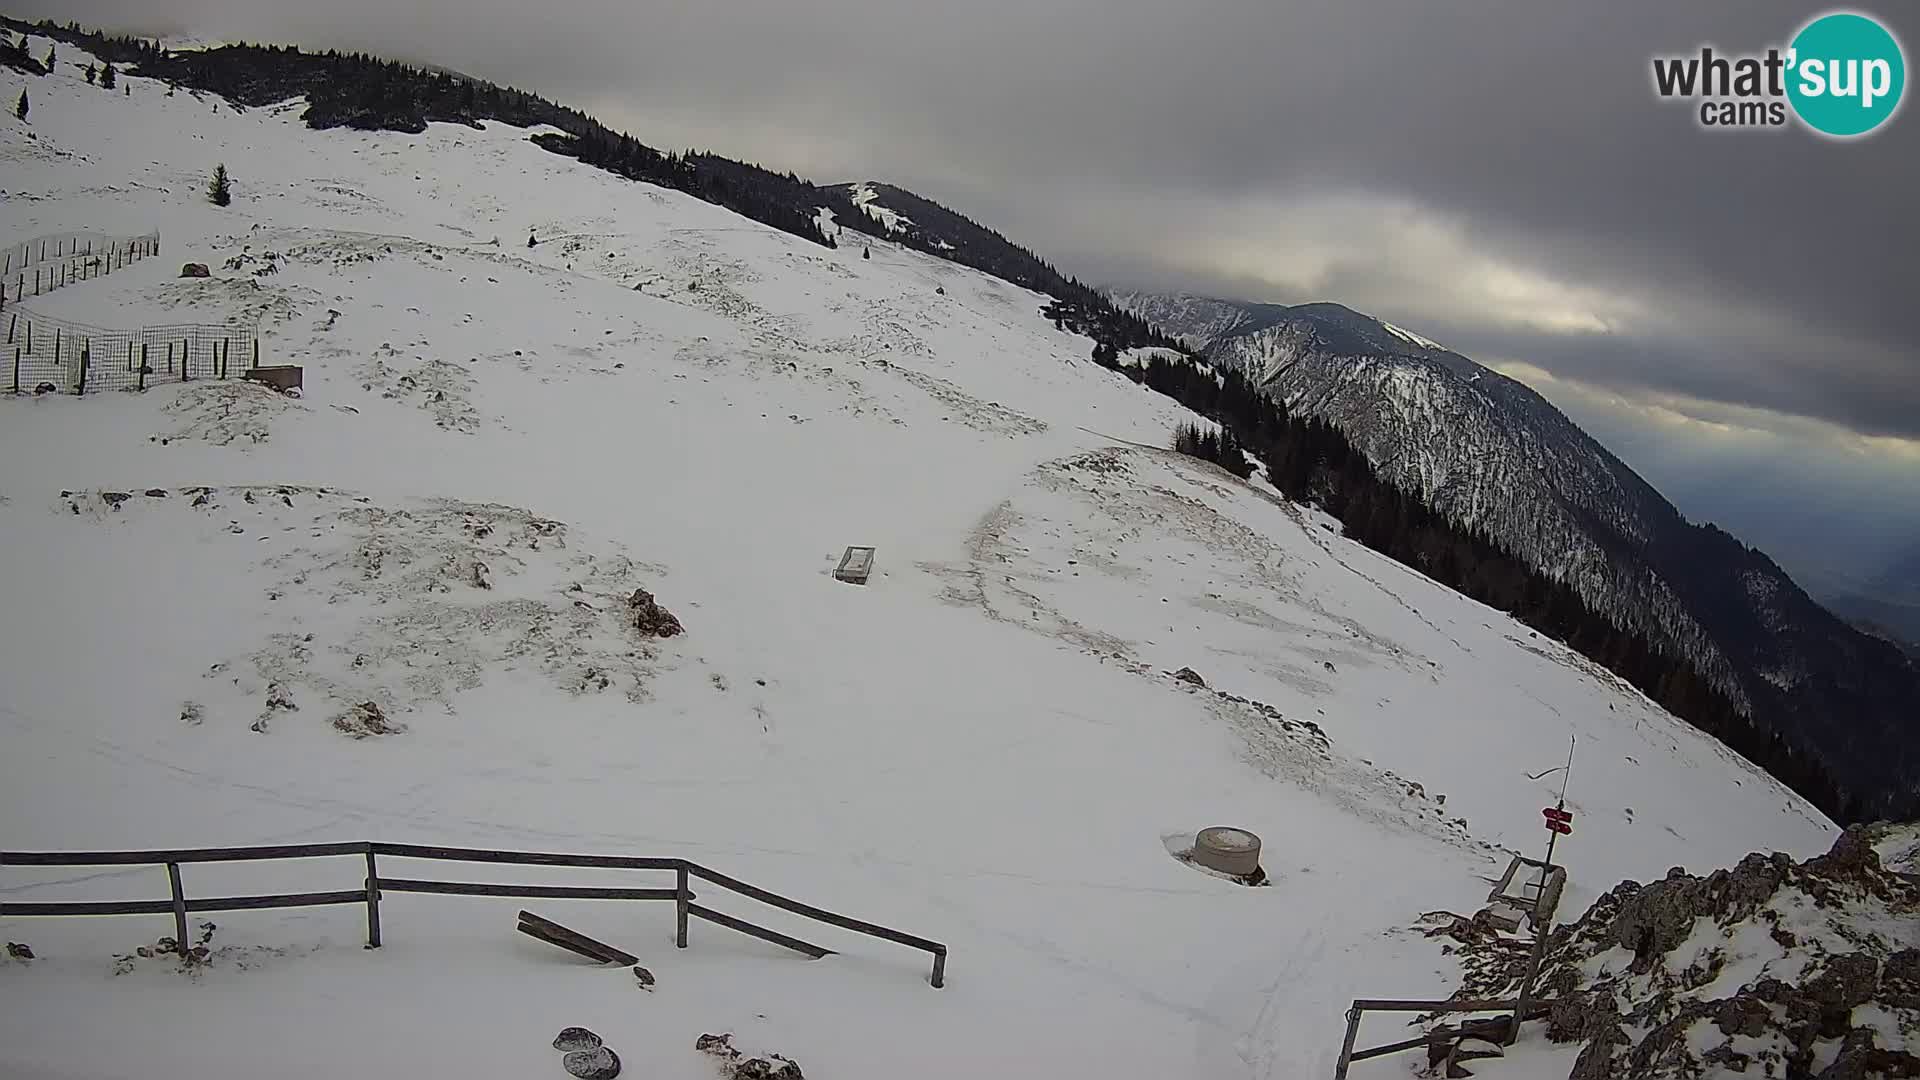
<point x="650" y="618"/>
<point x="46" y="388"/>
<point x="365" y="719"/>
<point x="644" y="978"/>
<point x="1671" y="1013"/>
<point x="572" y="1039"/>
<point x="18" y="951"/>
<point x="600" y="1063"/>
<point x="195" y="270"/>
<point x="1188" y="675"/>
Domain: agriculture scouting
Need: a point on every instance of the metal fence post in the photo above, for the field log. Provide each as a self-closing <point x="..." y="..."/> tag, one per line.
<point x="939" y="969"/>
<point x="179" y="908"/>
<point x="373" y="902"/>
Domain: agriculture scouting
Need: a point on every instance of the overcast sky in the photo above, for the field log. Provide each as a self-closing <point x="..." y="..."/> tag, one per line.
<point x="1496" y="175"/>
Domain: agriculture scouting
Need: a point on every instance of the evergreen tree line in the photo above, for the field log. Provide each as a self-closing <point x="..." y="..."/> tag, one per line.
<point x="1219" y="447"/>
<point x="14" y="54"/>
<point x="364" y="92"/>
<point x="1311" y="461"/>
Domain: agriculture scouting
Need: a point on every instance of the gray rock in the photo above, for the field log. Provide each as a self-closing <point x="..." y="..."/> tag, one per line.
<point x="575" y="1039"/>
<point x="650" y="618"/>
<point x="600" y="1063"/>
<point x="1188" y="675"/>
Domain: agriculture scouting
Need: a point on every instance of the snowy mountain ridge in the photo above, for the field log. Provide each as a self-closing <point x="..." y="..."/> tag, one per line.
<point x="499" y="448"/>
<point x="1492" y="454"/>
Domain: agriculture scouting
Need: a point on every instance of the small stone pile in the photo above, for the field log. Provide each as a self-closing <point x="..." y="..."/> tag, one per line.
<point x="738" y="1066"/>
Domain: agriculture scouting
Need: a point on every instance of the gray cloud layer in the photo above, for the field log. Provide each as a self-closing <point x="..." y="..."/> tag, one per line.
<point x="1496" y="173"/>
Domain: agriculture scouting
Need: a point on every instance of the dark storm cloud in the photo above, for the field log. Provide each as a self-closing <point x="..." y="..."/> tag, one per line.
<point x="1168" y="141"/>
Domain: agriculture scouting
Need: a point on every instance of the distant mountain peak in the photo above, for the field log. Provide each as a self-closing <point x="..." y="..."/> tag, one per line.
<point x="1490" y="453"/>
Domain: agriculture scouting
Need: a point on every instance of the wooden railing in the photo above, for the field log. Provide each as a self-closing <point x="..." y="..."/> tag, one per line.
<point x="375" y="885"/>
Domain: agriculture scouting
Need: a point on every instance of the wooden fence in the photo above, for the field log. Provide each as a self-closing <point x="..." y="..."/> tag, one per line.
<point x="45" y="263"/>
<point x="374" y="885"/>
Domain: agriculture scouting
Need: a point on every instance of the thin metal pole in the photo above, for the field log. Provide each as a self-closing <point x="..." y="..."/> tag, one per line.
<point x="179" y="908"/>
<point x="939" y="970"/>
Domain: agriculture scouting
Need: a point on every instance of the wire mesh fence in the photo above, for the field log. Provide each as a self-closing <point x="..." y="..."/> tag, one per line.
<point x="40" y="265"/>
<point x="48" y="355"/>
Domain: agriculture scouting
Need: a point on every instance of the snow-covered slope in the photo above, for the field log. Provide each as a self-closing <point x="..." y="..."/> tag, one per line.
<point x="1493" y="454"/>
<point x="497" y="445"/>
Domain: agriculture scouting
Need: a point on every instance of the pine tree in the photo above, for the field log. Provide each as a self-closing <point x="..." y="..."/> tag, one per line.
<point x="93" y="74"/>
<point x="219" y="192"/>
<point x="20" y="107"/>
<point x="866" y="253"/>
<point x="107" y="77"/>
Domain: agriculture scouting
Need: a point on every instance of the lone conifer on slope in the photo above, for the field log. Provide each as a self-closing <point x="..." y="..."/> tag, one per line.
<point x="20" y="107"/>
<point x="107" y="77"/>
<point x="220" y="192"/>
<point x="93" y="74"/>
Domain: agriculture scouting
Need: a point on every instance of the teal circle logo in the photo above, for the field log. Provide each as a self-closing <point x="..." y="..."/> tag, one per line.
<point x="1845" y="75"/>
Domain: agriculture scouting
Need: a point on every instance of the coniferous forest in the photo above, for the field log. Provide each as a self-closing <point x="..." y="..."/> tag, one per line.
<point x="1311" y="462"/>
<point x="359" y="91"/>
<point x="1308" y="461"/>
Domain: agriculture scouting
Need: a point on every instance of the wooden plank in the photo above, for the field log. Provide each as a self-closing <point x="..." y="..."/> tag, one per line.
<point x="572" y="940"/>
<point x="1394" y="1005"/>
<point x="177" y="855"/>
<point x="761" y="932"/>
<point x="812" y="912"/>
<point x="9" y="909"/>
<point x="523" y="858"/>
<point x="551" y="892"/>
<point x="279" y="900"/>
<point x="596" y="955"/>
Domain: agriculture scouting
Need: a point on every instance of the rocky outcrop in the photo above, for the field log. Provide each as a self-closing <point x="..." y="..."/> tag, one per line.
<point x="650" y="618"/>
<point x="1825" y="949"/>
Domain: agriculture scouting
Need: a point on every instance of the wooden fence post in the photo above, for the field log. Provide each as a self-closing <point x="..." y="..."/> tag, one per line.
<point x="939" y="970"/>
<point x="226" y="352"/>
<point x="16" y="369"/>
<point x="256" y="352"/>
<point x="179" y="908"/>
<point x="681" y="896"/>
<point x="373" y="902"/>
<point x="142" y="383"/>
<point x="86" y="357"/>
<point x="169" y="357"/>
<point x="1346" y="1049"/>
